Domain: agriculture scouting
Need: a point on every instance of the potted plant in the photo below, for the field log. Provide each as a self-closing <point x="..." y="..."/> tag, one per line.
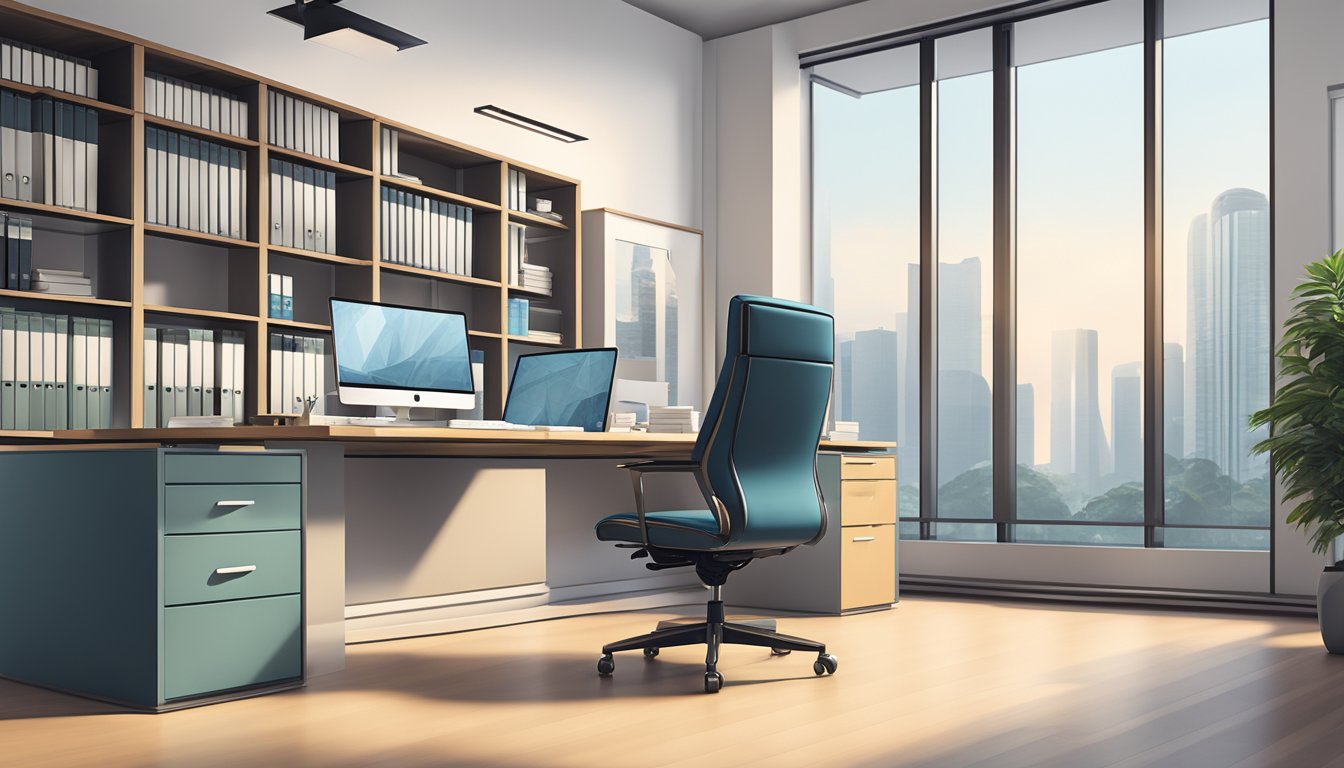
<point x="1306" y="420"/>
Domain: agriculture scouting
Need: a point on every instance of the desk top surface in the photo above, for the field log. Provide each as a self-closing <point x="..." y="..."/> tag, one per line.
<point x="361" y="440"/>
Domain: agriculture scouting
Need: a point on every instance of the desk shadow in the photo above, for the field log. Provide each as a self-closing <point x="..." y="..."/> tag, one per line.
<point x="544" y="677"/>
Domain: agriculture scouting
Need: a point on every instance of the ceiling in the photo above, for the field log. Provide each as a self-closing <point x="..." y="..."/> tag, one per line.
<point x="716" y="18"/>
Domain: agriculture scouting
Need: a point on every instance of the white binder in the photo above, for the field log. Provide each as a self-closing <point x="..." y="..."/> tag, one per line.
<point x="224" y="365"/>
<point x="316" y="179"/>
<point x="79" y="376"/>
<point x="36" y="373"/>
<point x="310" y="383"/>
<point x="91" y="163"/>
<point x="151" y="175"/>
<point x="287" y="395"/>
<point x="209" y="382"/>
<point x="307" y="206"/>
<point x="9" y="183"/>
<point x="23" y="147"/>
<point x="239" y="378"/>
<point x="92" y="382"/>
<point x="151" y="372"/>
<point x="105" y="373"/>
<point x="181" y="362"/>
<point x="195" y="371"/>
<point x="330" y="228"/>
<point x="49" y="373"/>
<point x="276" y="233"/>
<point x="236" y="194"/>
<point x="62" y="372"/>
<point x="276" y="373"/>
<point x="22" y="364"/>
<point x="167" y="376"/>
<point x="6" y="368"/>
<point x="80" y="148"/>
<point x="212" y="183"/>
<point x="193" y="182"/>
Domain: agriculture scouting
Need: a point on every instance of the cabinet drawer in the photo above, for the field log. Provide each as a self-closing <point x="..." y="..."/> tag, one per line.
<point x="867" y="467"/>
<point x="228" y="508"/>
<point x="867" y="566"/>
<point x="215" y="647"/>
<point x="252" y="565"/>
<point x="867" y="502"/>
<point x="220" y="468"/>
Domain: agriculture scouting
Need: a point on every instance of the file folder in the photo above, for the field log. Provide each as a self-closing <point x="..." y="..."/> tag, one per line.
<point x="22" y="366"/>
<point x="167" y="376"/>
<point x="50" y="375"/>
<point x="79" y="382"/>
<point x="195" y="371"/>
<point x="239" y="378"/>
<point x="224" y="364"/>
<point x="151" y="376"/>
<point x="7" y="380"/>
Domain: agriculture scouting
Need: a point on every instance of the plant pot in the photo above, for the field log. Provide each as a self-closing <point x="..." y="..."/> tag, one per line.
<point x="1330" y="608"/>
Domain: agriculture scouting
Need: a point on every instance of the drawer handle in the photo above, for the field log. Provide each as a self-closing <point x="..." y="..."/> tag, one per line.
<point x="852" y="462"/>
<point x="236" y="503"/>
<point x="235" y="569"/>
<point x="864" y="538"/>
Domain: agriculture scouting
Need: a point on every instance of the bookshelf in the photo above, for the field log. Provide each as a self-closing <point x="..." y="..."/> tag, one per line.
<point x="150" y="274"/>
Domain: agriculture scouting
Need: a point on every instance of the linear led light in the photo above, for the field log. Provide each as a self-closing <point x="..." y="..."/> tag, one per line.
<point x="326" y="23"/>
<point x="536" y="126"/>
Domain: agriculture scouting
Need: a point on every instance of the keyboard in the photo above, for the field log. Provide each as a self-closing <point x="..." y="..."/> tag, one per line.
<point x="484" y="424"/>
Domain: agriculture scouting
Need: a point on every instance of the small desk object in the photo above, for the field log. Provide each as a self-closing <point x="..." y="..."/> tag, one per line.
<point x="157" y="578"/>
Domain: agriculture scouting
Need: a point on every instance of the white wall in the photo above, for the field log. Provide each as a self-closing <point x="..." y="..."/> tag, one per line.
<point x="1308" y="59"/>
<point x="627" y="80"/>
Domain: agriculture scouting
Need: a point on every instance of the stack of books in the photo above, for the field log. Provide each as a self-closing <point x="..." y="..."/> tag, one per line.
<point x="303" y="126"/>
<point x="426" y="233"/>
<point x="535" y="277"/>
<point x="196" y="373"/>
<point x="621" y="422"/>
<point x="198" y="105"/>
<point x="298" y="371"/>
<point x="845" y="430"/>
<point x="552" y="215"/>
<point x="63" y="282"/>
<point x="674" y="418"/>
<point x="544" y="324"/>
<point x="46" y="68"/>
<point x="195" y="184"/>
<point x="48" y="151"/>
<point x="303" y="207"/>
<point x="16" y="252"/>
<point x="55" y="371"/>
<point x="518" y="316"/>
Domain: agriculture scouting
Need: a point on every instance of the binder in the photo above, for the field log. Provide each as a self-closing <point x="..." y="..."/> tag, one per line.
<point x="192" y="180"/>
<point x="330" y="227"/>
<point x="383" y="224"/>
<point x="23" y="146"/>
<point x="9" y="186"/>
<point x="91" y="164"/>
<point x="151" y="377"/>
<point x="224" y="365"/>
<point x="104" y="374"/>
<point x="94" y="372"/>
<point x="318" y="205"/>
<point x="209" y="382"/>
<point x="287" y="297"/>
<point x="22" y="365"/>
<point x="239" y="378"/>
<point x="44" y="152"/>
<point x="151" y="173"/>
<point x="306" y="177"/>
<point x="211" y="197"/>
<point x="195" y="370"/>
<point x="432" y="218"/>
<point x="236" y="194"/>
<point x="11" y="243"/>
<point x="276" y="236"/>
<point x="468" y="240"/>
<point x="79" y="148"/>
<point x="62" y="399"/>
<point x="287" y="206"/>
<point x="311" y="393"/>
<point x="276" y="367"/>
<point x="25" y="254"/>
<point x="182" y="383"/>
<point x="49" y="373"/>
<point x="7" y="384"/>
<point x="167" y="376"/>
<point x="271" y="112"/>
<point x="78" y="375"/>
<point x="166" y="193"/>
<point x="275" y="306"/>
<point x="288" y="394"/>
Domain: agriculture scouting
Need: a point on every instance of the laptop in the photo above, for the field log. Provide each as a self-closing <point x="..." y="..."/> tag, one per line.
<point x="567" y="390"/>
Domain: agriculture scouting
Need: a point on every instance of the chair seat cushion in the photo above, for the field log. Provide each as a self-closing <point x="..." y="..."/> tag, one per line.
<point x="674" y="529"/>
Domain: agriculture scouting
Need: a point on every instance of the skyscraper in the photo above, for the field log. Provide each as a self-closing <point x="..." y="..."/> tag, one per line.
<point x="1228" y="316"/>
<point x="1026" y="425"/>
<point x="843" y="406"/>
<point x="1127" y="421"/>
<point x="1173" y="400"/>
<point x="875" y="390"/>
<point x="963" y="421"/>
<point x="959" y="316"/>
<point x="1077" y="443"/>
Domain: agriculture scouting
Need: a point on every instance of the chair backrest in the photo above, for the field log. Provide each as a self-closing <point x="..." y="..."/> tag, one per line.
<point x="758" y="440"/>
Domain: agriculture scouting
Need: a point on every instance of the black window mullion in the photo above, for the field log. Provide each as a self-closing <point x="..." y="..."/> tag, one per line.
<point x="1154" y="470"/>
<point x="1004" y="341"/>
<point x="928" y="293"/>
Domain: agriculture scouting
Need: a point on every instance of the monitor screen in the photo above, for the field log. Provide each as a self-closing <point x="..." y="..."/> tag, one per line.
<point x="390" y="347"/>
<point x="562" y="389"/>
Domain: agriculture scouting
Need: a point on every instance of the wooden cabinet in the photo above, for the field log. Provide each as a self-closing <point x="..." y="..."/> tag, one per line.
<point x="854" y="567"/>
<point x="153" y="577"/>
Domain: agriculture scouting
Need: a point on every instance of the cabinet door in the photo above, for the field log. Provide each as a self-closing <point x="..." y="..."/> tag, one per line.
<point x="219" y="646"/>
<point x="868" y="566"/>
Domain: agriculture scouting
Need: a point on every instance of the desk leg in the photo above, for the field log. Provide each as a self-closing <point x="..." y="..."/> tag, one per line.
<point x="324" y="561"/>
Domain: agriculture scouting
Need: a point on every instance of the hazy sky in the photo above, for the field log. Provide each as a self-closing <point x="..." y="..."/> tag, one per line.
<point x="1080" y="190"/>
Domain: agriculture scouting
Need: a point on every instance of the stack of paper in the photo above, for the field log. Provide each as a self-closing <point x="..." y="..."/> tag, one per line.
<point x="198" y="105"/>
<point x="46" y="68"/>
<point x="620" y="422"/>
<point x="845" y="430"/>
<point x="48" y="151"/>
<point x="195" y="184"/>
<point x="65" y="282"/>
<point x="674" y="418"/>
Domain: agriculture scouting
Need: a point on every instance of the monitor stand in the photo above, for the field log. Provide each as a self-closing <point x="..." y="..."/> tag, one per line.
<point x="403" y="419"/>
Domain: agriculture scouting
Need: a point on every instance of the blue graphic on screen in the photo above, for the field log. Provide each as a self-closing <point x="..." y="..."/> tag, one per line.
<point x="392" y="347"/>
<point x="562" y="389"/>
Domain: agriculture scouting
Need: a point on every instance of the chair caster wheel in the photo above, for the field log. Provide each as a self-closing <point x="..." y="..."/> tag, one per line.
<point x="825" y="664"/>
<point x="713" y="682"/>
<point x="780" y="651"/>
<point x="650" y="653"/>
<point x="606" y="665"/>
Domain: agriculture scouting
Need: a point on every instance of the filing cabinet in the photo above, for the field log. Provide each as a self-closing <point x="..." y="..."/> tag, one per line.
<point x="854" y="567"/>
<point x="153" y="577"/>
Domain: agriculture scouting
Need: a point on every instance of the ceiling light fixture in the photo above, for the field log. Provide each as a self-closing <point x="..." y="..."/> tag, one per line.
<point x="536" y="126"/>
<point x="325" y="22"/>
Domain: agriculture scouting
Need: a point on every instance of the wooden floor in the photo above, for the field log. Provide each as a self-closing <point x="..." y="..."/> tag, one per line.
<point x="936" y="682"/>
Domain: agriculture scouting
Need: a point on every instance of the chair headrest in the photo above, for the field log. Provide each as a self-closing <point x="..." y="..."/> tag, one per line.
<point x="760" y="326"/>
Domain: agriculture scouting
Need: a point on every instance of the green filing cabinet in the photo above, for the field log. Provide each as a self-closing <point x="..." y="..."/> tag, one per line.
<point x="153" y="577"/>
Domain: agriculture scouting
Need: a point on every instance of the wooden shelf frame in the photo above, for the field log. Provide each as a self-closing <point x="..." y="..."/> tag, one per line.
<point x="359" y="271"/>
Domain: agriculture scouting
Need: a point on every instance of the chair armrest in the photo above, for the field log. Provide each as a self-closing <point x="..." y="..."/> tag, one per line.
<point x="661" y="466"/>
<point x="637" y="470"/>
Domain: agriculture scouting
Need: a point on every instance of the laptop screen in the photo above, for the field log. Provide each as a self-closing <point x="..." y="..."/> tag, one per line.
<point x="562" y="389"/>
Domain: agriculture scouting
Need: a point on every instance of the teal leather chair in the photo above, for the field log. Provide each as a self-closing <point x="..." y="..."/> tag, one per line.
<point x="756" y="464"/>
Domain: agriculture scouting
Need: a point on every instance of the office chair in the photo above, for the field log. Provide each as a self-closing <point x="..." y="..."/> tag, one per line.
<point x="755" y="461"/>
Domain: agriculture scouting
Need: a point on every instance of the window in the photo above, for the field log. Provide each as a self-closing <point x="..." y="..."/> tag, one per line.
<point x="865" y="135"/>
<point x="1094" y="146"/>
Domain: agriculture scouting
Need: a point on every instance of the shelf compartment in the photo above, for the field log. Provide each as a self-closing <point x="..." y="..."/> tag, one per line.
<point x="353" y="221"/>
<point x="315" y="281"/>
<point x="445" y="167"/>
<point x="111" y="55"/>
<point x="200" y="72"/>
<point x="532" y="220"/>
<point x="100" y="251"/>
<point x="433" y="275"/>
<point x="201" y="276"/>
<point x="482" y="308"/>
<point x="442" y="194"/>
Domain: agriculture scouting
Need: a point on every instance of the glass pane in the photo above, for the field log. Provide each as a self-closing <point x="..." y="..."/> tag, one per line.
<point x="1337" y="172"/>
<point x="1216" y="279"/>
<point x="909" y="530"/>
<point x="965" y="184"/>
<point x="1080" y="257"/>
<point x="865" y="204"/>
<point x="965" y="532"/>
<point x="1197" y="538"/>
<point x="646" y="316"/>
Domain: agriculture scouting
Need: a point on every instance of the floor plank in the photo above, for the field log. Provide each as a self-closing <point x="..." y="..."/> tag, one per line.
<point x="936" y="682"/>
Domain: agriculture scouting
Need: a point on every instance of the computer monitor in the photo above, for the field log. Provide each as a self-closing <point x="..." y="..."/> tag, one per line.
<point x="404" y="357"/>
<point x="562" y="389"/>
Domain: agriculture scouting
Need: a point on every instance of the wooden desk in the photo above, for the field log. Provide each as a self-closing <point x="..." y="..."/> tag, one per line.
<point x="502" y="524"/>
